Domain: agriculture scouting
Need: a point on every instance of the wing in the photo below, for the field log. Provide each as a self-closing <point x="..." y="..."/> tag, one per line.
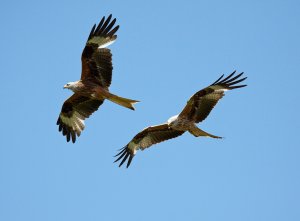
<point x="144" y="139"/>
<point x="73" y="113"/>
<point x="201" y="103"/>
<point x="96" y="59"/>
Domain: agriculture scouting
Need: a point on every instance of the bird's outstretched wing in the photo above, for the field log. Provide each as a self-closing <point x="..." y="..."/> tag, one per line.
<point x="73" y="113"/>
<point x="144" y="139"/>
<point x="96" y="59"/>
<point x="201" y="103"/>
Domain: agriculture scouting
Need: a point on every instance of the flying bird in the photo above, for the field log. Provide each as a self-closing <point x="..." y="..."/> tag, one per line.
<point x="93" y="87"/>
<point x="196" y="110"/>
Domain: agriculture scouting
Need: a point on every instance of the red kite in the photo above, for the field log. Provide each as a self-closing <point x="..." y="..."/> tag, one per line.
<point x="196" y="110"/>
<point x="92" y="88"/>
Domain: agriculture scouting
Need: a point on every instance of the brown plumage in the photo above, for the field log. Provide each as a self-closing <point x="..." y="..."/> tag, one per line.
<point x="196" y="110"/>
<point x="93" y="87"/>
<point x="146" y="138"/>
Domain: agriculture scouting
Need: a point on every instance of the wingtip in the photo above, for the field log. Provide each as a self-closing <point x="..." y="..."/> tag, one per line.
<point x="231" y="80"/>
<point x="67" y="131"/>
<point x="129" y="160"/>
<point x="217" y="81"/>
<point x="104" y="28"/>
<point x="123" y="156"/>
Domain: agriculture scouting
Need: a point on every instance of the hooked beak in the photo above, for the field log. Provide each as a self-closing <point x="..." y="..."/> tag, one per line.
<point x="65" y="86"/>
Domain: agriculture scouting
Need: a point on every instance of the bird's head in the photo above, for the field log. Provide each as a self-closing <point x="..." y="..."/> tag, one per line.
<point x="172" y="119"/>
<point x="71" y="85"/>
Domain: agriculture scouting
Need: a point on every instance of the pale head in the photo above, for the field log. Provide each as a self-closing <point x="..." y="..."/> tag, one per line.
<point x="172" y="119"/>
<point x="71" y="85"/>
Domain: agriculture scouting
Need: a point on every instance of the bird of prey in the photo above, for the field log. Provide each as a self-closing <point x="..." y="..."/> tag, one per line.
<point x="196" y="110"/>
<point x="93" y="87"/>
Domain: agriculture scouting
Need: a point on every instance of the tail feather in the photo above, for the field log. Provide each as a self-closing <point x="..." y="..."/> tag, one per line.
<point x="125" y="102"/>
<point x="197" y="132"/>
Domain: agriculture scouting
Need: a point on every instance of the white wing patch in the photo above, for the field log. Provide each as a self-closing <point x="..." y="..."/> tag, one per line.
<point x="106" y="44"/>
<point x="102" y="42"/>
<point x="218" y="88"/>
<point x="222" y="90"/>
<point x="76" y="122"/>
<point x="133" y="146"/>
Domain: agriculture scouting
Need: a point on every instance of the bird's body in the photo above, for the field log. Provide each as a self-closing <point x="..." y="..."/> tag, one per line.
<point x="89" y="89"/>
<point x="184" y="124"/>
<point x="93" y="87"/>
<point x="196" y="110"/>
<point x="179" y="123"/>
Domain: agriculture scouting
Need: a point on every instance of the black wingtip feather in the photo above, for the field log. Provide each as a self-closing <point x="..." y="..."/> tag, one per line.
<point x="100" y="25"/>
<point x="92" y="32"/>
<point x="64" y="131"/>
<point x="112" y="32"/>
<point x="68" y="136"/>
<point x="109" y="26"/>
<point x="104" y="28"/>
<point x="238" y="81"/>
<point x="218" y="80"/>
<point x="122" y="150"/>
<point x="239" y="86"/>
<point x="67" y="131"/>
<point x="228" y="77"/>
<point x="123" y="156"/>
<point x="124" y="159"/>
<point x="129" y="160"/>
<point x="231" y="80"/>
<point x="105" y="24"/>
<point x="73" y="136"/>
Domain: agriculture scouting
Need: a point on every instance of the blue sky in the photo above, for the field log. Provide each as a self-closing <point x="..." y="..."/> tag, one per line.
<point x="165" y="52"/>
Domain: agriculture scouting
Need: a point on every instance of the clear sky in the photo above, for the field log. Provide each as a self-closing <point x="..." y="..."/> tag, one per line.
<point x="165" y="52"/>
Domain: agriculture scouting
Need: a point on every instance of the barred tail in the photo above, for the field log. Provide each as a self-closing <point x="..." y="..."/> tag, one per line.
<point x="125" y="102"/>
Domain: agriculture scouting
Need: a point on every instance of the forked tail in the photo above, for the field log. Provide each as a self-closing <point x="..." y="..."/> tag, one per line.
<point x="125" y="102"/>
<point x="197" y="132"/>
